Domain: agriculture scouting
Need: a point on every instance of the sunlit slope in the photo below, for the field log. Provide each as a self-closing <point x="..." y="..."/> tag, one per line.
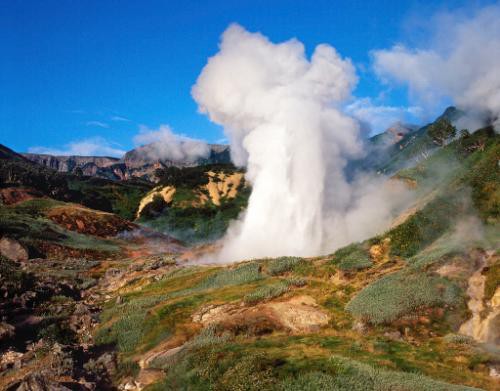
<point x="119" y="197"/>
<point x="402" y="310"/>
<point x="195" y="204"/>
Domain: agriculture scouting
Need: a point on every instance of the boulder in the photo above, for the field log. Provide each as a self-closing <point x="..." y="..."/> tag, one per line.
<point x="13" y="250"/>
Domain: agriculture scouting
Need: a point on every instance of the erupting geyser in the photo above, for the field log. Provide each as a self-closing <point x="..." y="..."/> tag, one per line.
<point x="281" y="113"/>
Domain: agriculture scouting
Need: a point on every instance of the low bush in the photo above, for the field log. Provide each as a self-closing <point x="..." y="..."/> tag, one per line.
<point x="282" y="265"/>
<point x="271" y="291"/>
<point x="352" y="257"/>
<point x="266" y="292"/>
<point x="248" y="272"/>
<point x="351" y="375"/>
<point x="402" y="293"/>
<point x="130" y="327"/>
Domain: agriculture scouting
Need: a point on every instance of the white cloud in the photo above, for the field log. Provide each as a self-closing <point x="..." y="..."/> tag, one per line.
<point x="98" y="124"/>
<point x="95" y="146"/>
<point x="380" y="117"/>
<point x="460" y="61"/>
<point x="118" y="118"/>
<point x="164" y="144"/>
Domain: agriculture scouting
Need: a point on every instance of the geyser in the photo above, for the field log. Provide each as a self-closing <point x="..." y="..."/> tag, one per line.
<point x="281" y="113"/>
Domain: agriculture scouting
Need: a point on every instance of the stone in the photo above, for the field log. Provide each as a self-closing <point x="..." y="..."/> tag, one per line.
<point x="13" y="250"/>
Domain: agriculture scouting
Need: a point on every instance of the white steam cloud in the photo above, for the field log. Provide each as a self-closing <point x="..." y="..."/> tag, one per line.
<point x="281" y="113"/>
<point x="380" y="117"/>
<point x="164" y="144"/>
<point x="460" y="62"/>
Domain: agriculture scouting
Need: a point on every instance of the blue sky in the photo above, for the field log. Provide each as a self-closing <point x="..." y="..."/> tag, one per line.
<point x="73" y="71"/>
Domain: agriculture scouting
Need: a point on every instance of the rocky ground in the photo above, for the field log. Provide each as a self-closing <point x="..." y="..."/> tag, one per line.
<point x="49" y="312"/>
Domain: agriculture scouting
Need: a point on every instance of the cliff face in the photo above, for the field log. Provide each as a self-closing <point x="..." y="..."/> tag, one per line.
<point x="135" y="163"/>
<point x="69" y="163"/>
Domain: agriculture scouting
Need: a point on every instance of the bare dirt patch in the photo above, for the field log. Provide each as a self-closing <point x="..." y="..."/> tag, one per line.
<point x="297" y="315"/>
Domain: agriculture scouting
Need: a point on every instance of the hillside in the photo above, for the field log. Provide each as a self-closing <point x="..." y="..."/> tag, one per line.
<point x="101" y="289"/>
<point x="403" y="310"/>
<point x="196" y="204"/>
<point x="19" y="175"/>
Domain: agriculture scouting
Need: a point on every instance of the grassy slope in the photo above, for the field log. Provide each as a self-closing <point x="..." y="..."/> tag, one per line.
<point x="27" y="223"/>
<point x="161" y="312"/>
<point x="350" y="286"/>
<point x="121" y="198"/>
<point x="200" y="223"/>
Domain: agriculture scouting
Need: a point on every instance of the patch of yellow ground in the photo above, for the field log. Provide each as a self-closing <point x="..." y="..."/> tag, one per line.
<point x="221" y="185"/>
<point x="167" y="193"/>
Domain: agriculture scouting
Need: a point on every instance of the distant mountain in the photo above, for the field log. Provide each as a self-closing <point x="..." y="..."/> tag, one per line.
<point x="393" y="134"/>
<point x="136" y="163"/>
<point x="404" y="145"/>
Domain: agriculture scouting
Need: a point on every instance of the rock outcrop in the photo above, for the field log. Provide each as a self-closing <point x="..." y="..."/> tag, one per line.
<point x="135" y="163"/>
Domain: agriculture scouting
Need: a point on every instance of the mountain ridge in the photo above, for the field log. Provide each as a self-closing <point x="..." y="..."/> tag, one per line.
<point x="134" y="163"/>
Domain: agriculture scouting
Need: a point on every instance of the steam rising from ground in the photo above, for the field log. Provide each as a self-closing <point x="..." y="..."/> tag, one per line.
<point x="281" y="113"/>
<point x="164" y="144"/>
<point x="461" y="62"/>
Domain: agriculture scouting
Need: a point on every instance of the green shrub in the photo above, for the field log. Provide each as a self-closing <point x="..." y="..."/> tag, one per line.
<point x="350" y="375"/>
<point x="132" y="323"/>
<point x="401" y="293"/>
<point x="210" y="362"/>
<point x="310" y="381"/>
<point x="271" y="291"/>
<point x="352" y="257"/>
<point x="282" y="265"/>
<point x="267" y="292"/>
<point x="245" y="273"/>
<point x="294" y="281"/>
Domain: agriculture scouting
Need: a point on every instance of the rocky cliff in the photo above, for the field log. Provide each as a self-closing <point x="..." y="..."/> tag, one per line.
<point x="135" y="163"/>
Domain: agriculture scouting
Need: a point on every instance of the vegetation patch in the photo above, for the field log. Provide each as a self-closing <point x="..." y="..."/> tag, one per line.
<point x="218" y="363"/>
<point x="25" y="222"/>
<point x="402" y="293"/>
<point x="352" y="257"/>
<point x="422" y="228"/>
<point x="282" y="265"/>
<point x="243" y="274"/>
<point x="271" y="291"/>
<point x="349" y="375"/>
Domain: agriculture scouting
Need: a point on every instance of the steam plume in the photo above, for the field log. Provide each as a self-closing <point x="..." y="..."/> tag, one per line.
<point x="163" y="144"/>
<point x="460" y="62"/>
<point x="281" y="113"/>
